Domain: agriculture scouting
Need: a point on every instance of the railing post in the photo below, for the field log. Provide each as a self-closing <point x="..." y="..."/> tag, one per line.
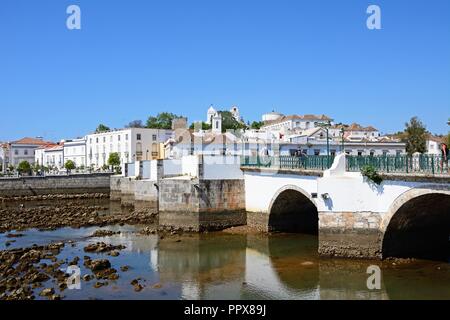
<point x="432" y="164"/>
<point x="407" y="166"/>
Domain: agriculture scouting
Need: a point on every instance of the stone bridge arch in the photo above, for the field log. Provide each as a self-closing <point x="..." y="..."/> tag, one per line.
<point x="417" y="224"/>
<point x="292" y="209"/>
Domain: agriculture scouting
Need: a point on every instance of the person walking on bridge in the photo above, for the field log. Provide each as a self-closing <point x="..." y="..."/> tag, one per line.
<point x="444" y="156"/>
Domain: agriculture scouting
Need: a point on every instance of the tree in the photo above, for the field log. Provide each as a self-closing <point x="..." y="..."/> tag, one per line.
<point x="135" y="124"/>
<point x="257" y="125"/>
<point x="102" y="128"/>
<point x="229" y="122"/>
<point x="24" y="167"/>
<point x="203" y="125"/>
<point x="415" y="136"/>
<point x="162" y="120"/>
<point x="114" y="160"/>
<point x="70" y="165"/>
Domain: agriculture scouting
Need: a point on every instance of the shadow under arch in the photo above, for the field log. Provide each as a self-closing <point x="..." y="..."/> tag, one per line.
<point x="418" y="225"/>
<point x="293" y="210"/>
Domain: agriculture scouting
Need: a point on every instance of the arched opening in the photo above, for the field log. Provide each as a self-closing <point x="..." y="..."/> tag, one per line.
<point x="292" y="211"/>
<point x="420" y="228"/>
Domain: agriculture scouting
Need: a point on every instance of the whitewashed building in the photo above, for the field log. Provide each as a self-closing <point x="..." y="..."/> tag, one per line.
<point x="287" y="125"/>
<point x="22" y="150"/>
<point x="75" y="150"/>
<point x="132" y="144"/>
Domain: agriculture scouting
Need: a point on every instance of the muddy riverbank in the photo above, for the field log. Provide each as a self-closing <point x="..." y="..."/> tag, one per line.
<point x="51" y="212"/>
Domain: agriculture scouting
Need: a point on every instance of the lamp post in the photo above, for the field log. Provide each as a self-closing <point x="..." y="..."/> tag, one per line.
<point x="342" y="142"/>
<point x="326" y="126"/>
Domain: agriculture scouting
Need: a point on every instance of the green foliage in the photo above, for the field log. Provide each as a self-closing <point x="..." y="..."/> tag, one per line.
<point x="415" y="136"/>
<point x="371" y="173"/>
<point x="203" y="125"/>
<point x="162" y="120"/>
<point x="114" y="159"/>
<point x="102" y="128"/>
<point x="69" y="165"/>
<point x="229" y="122"/>
<point x="24" y="167"/>
<point x="135" y="124"/>
<point x="257" y="124"/>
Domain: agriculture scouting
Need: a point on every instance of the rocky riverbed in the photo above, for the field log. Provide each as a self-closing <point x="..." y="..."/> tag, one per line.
<point x="20" y="215"/>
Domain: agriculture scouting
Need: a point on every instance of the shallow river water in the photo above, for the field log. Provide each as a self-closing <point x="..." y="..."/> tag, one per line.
<point x="226" y="266"/>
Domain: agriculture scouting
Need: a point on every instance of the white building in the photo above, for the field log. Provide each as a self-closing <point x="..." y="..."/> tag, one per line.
<point x="286" y="125"/>
<point x="21" y="150"/>
<point x="355" y="132"/>
<point x="187" y="142"/>
<point x="75" y="150"/>
<point x="132" y="144"/>
<point x="434" y="145"/>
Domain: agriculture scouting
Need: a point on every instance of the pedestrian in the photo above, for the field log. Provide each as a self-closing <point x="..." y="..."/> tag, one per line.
<point x="444" y="156"/>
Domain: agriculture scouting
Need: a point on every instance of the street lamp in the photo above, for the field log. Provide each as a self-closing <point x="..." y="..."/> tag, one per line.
<point x="326" y="126"/>
<point x="342" y="135"/>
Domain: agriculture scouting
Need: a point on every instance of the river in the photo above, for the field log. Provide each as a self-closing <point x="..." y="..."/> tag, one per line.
<point x="236" y="266"/>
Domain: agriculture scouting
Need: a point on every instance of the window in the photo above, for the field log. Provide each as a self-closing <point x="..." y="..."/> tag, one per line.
<point x="385" y="152"/>
<point x="110" y="139"/>
<point x="333" y="153"/>
<point x="25" y="152"/>
<point x="154" y="137"/>
<point x="126" y="137"/>
<point x="348" y="152"/>
<point x="104" y="139"/>
<point x="360" y="153"/>
<point x="96" y="140"/>
<point x="118" y="137"/>
<point x="372" y="153"/>
<point x="138" y="137"/>
<point x="398" y="152"/>
<point x="16" y="152"/>
<point x="316" y="152"/>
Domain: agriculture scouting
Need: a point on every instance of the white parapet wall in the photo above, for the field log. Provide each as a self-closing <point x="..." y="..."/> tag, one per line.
<point x="173" y="167"/>
<point x="222" y="168"/>
<point x="190" y="166"/>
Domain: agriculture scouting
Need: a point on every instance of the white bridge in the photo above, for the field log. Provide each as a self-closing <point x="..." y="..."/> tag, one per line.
<point x="408" y="214"/>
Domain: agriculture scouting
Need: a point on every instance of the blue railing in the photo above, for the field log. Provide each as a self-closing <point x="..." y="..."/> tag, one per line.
<point x="425" y="164"/>
<point x="289" y="162"/>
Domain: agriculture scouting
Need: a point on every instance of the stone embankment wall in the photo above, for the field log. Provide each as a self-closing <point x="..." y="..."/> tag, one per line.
<point x="199" y="205"/>
<point x="73" y="184"/>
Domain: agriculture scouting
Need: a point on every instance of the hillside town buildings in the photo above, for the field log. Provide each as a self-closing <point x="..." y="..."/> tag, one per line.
<point x="131" y="144"/>
<point x="279" y="135"/>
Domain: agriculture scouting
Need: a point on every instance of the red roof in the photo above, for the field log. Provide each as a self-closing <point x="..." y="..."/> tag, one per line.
<point x="32" y="141"/>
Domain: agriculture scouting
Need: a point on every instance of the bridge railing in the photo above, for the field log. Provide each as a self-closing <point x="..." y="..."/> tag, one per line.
<point x="288" y="162"/>
<point x="426" y="164"/>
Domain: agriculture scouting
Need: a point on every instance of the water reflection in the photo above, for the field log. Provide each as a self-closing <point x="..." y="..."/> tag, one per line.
<point x="224" y="266"/>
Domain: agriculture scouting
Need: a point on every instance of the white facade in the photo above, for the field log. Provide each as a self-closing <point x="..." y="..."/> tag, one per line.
<point x="271" y="116"/>
<point x="433" y="147"/>
<point x="132" y="144"/>
<point x="75" y="150"/>
<point x="22" y="150"/>
<point x="291" y="124"/>
<point x="51" y="156"/>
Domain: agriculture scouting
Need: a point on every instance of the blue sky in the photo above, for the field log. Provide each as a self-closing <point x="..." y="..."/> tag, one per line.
<point x="135" y="58"/>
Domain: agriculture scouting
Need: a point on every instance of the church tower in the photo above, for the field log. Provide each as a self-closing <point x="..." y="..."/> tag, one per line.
<point x="216" y="124"/>
<point x="210" y="114"/>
